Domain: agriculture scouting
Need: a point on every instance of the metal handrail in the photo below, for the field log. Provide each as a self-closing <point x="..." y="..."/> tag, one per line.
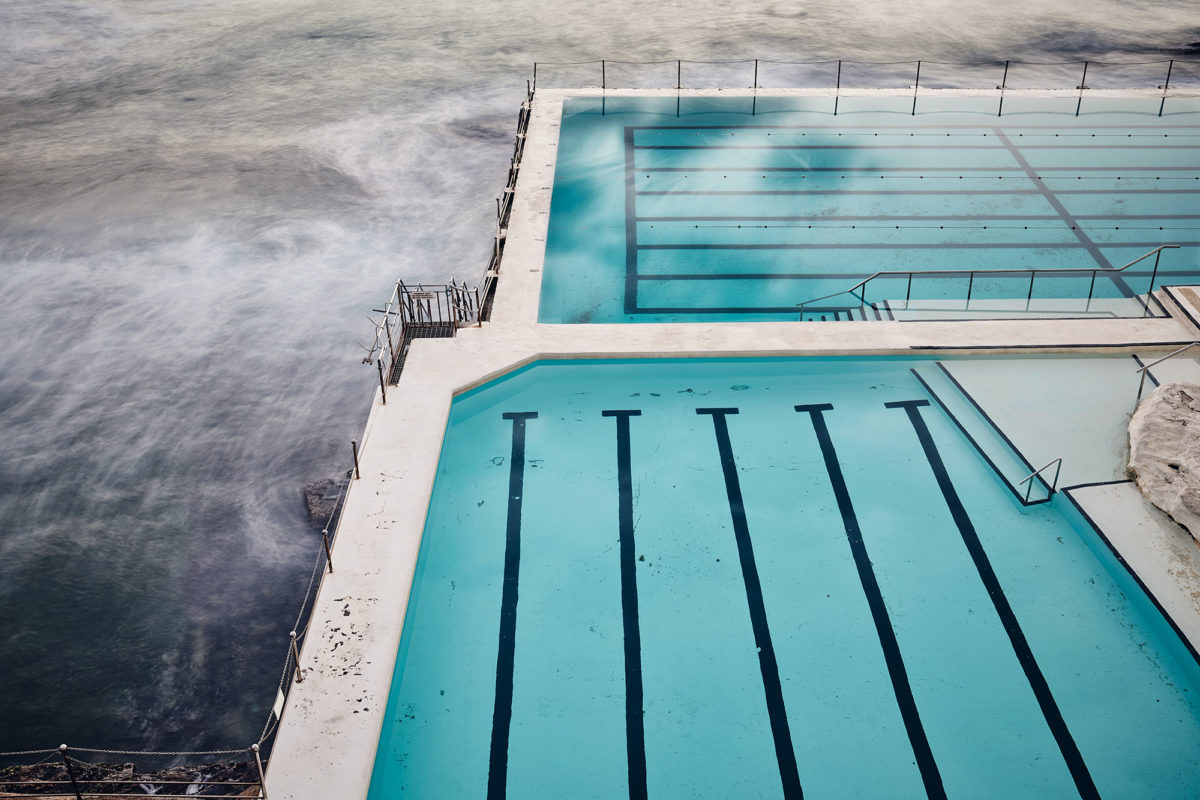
<point x="1144" y="370"/>
<point x="973" y="272"/>
<point x="1029" y="478"/>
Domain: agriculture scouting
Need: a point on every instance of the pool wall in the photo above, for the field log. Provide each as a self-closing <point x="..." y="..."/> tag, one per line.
<point x="326" y="745"/>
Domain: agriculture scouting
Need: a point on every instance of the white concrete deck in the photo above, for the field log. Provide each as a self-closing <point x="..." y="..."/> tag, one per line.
<point x="326" y="744"/>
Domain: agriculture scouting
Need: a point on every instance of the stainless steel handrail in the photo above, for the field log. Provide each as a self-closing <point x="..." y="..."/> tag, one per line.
<point x="1029" y="478"/>
<point x="1143" y="370"/>
<point x="973" y="272"/>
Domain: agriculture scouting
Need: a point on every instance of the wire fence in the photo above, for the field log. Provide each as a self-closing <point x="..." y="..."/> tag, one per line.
<point x="1160" y="74"/>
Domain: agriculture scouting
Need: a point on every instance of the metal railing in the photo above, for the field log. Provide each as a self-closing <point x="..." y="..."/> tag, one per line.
<point x="426" y="310"/>
<point x="972" y="273"/>
<point x="1145" y="370"/>
<point x="82" y="779"/>
<point x="1053" y="484"/>
<point x="839" y="74"/>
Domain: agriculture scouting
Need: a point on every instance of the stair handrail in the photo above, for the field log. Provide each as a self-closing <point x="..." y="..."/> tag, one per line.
<point x="1144" y="370"/>
<point x="1029" y="478"/>
<point x="973" y="272"/>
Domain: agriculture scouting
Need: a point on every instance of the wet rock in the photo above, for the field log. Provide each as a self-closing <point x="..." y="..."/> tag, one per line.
<point x="321" y="501"/>
<point x="1164" y="451"/>
<point x="229" y="778"/>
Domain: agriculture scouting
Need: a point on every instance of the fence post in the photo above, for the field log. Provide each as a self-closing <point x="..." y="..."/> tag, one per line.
<point x="296" y="658"/>
<point x="62" y="750"/>
<point x="837" y="89"/>
<point x="262" y="778"/>
<point x="1082" y="86"/>
<point x="1153" y="275"/>
<point x="382" y="383"/>
<point x="1002" y="87"/>
<point x="1166" y="85"/>
<point x="916" y="86"/>
<point x="354" y="449"/>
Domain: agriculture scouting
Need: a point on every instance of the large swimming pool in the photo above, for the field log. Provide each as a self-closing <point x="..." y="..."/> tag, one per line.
<point x="761" y="577"/>
<point x="742" y="208"/>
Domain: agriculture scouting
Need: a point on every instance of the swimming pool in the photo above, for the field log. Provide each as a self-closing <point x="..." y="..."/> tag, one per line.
<point x="752" y="577"/>
<point x="742" y="208"/>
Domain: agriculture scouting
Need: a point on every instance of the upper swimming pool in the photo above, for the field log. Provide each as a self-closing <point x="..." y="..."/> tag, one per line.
<point x="739" y="208"/>
<point x="749" y="578"/>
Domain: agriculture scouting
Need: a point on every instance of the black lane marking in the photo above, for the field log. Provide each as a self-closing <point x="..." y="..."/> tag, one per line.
<point x="923" y="130"/>
<point x="921" y="146"/>
<point x="502" y="713"/>
<point x="1067" y="219"/>
<point x="635" y="733"/>
<point x="789" y="773"/>
<point x="970" y="398"/>
<point x="883" y="624"/>
<point x="1069" y="492"/>
<point x="1037" y="681"/>
<point x="631" y="248"/>
<point x="905" y="246"/>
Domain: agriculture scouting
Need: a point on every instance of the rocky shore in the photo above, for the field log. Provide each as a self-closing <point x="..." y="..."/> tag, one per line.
<point x="50" y="780"/>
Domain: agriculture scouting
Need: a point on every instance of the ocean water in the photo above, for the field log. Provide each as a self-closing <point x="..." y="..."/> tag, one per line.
<point x="199" y="205"/>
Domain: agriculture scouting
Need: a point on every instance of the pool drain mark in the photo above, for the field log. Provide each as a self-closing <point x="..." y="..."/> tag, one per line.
<point x="883" y="625"/>
<point x="502" y="713"/>
<point x="635" y="733"/>
<point x="1033" y="673"/>
<point x="785" y="754"/>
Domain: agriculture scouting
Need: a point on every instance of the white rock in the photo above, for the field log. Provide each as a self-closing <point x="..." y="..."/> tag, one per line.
<point x="1164" y="451"/>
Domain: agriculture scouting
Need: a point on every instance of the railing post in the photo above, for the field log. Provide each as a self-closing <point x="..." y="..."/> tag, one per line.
<point x="1166" y="85"/>
<point x="262" y="778"/>
<point x="678" y="74"/>
<point x="755" y="76"/>
<point x="382" y="383"/>
<point x="1029" y="297"/>
<point x="296" y="658"/>
<point x="535" y="76"/>
<point x="1002" y="87"/>
<point x="62" y="751"/>
<point x="1091" y="289"/>
<point x="1153" y="275"/>
<point x="908" y="292"/>
<point x="328" y="555"/>
<point x="1082" y="86"/>
<point x="970" y="286"/>
<point x="1141" y="385"/>
<point x="916" y="86"/>
<point x="837" y="89"/>
<point x="354" y="449"/>
<point x="603" y="75"/>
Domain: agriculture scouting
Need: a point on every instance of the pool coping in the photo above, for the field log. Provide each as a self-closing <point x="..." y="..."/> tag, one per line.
<point x="327" y="742"/>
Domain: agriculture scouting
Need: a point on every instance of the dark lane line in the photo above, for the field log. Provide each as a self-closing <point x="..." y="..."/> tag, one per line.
<point x="502" y="712"/>
<point x="635" y="732"/>
<point x="785" y="754"/>
<point x="883" y="625"/>
<point x="1020" y="646"/>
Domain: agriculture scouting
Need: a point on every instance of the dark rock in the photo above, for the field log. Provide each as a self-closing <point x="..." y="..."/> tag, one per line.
<point x="322" y="501"/>
<point x="237" y="778"/>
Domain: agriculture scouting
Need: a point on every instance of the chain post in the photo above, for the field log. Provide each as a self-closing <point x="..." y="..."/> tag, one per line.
<point x="382" y="384"/>
<point x="62" y="751"/>
<point x="354" y="448"/>
<point x="328" y="554"/>
<point x="262" y="778"/>
<point x="296" y="658"/>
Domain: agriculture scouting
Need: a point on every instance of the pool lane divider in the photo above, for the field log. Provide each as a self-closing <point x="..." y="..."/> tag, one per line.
<point x="1016" y="637"/>
<point x="785" y="753"/>
<point x="926" y="763"/>
<point x="635" y="733"/>
<point x="502" y="712"/>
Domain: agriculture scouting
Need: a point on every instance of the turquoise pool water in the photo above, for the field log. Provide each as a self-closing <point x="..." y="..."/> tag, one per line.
<point x="737" y="208"/>
<point x="762" y="577"/>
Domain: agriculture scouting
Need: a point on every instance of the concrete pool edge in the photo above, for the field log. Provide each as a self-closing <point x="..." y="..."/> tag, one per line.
<point x="328" y="746"/>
